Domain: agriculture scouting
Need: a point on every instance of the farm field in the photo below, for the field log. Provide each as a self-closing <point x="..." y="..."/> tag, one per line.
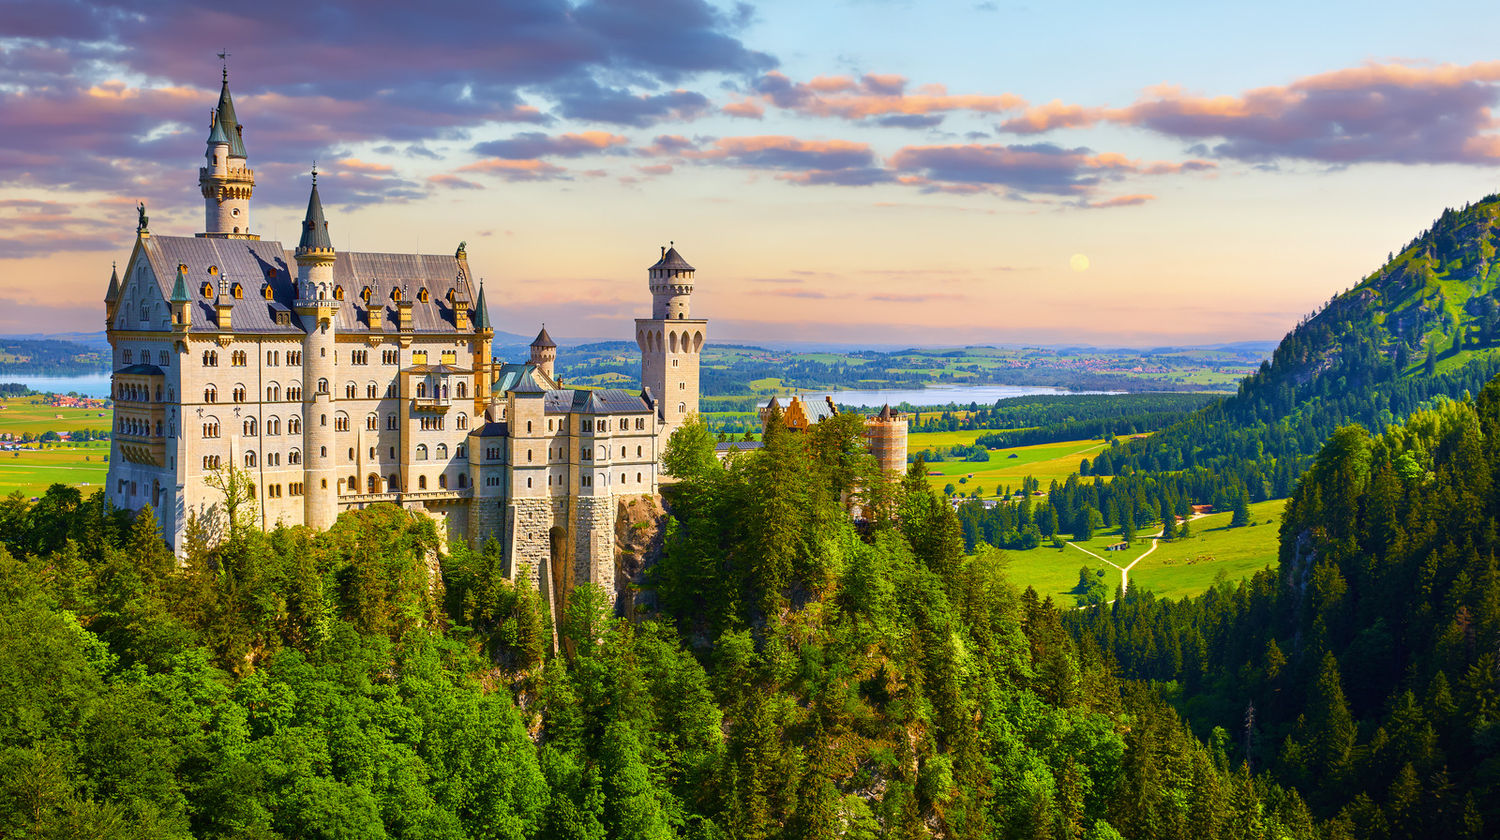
<point x="918" y="441"/>
<point x="1043" y="461"/>
<point x="1174" y="570"/>
<point x="81" y="465"/>
<point x="20" y="416"/>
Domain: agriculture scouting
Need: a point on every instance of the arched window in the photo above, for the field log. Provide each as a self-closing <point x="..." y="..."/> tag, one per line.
<point x="463" y="481"/>
<point x="372" y="483"/>
<point x="273" y="392"/>
<point x="372" y="422"/>
<point x="463" y="390"/>
<point x="239" y="393"/>
<point x="294" y="392"/>
<point x="370" y="391"/>
<point x="463" y="422"/>
<point x="322" y="386"/>
<point x="250" y="427"/>
<point x="250" y="457"/>
<point x="211" y="428"/>
<point x="350" y="391"/>
<point x="390" y="421"/>
<point x="352" y="482"/>
<point x="682" y="407"/>
<point x="421" y="482"/>
<point x="421" y="452"/>
<point x="341" y="422"/>
<point x="442" y="451"/>
<point x="294" y="425"/>
<point x="421" y="389"/>
<point x="210" y="394"/>
<point x="294" y="457"/>
<point x="393" y="483"/>
<point x="443" y="482"/>
<point x="458" y="451"/>
<point x="273" y="425"/>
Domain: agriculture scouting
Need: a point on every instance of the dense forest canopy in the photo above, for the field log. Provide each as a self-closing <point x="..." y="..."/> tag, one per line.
<point x="787" y="675"/>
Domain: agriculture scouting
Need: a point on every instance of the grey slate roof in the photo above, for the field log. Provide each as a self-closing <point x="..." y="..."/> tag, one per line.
<point x="818" y="410"/>
<point x="114" y="285"/>
<point x="225" y="117"/>
<point x="738" y="446"/>
<point x="602" y="401"/>
<point x="672" y="260"/>
<point x="526" y="383"/>
<point x="543" y="340"/>
<point x="499" y="429"/>
<point x="253" y="263"/>
<point x="141" y="370"/>
<point x="314" y="226"/>
<point x="450" y="370"/>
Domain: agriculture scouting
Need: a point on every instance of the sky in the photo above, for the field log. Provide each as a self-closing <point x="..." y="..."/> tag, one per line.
<point x="856" y="171"/>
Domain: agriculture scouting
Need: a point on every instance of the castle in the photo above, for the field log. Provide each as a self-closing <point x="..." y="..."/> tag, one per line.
<point x="339" y="379"/>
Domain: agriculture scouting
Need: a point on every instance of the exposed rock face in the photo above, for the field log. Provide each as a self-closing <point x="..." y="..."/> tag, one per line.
<point x="640" y="527"/>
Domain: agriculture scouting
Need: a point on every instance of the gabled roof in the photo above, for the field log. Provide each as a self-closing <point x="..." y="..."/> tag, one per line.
<point x="253" y="263"/>
<point x="738" y="446"/>
<point x="314" y="226"/>
<point x="673" y="261"/>
<point x="542" y="339"/>
<point x="601" y="401"/>
<point x="224" y="116"/>
<point x="527" y="383"/>
<point x="445" y="370"/>
<point x="114" y="285"/>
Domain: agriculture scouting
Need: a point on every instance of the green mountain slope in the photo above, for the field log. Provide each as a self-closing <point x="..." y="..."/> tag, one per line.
<point x="1425" y="325"/>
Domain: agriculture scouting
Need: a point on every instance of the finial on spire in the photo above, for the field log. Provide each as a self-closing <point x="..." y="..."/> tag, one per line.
<point x="315" y="173"/>
<point x="664" y="252"/>
<point x="224" y="59"/>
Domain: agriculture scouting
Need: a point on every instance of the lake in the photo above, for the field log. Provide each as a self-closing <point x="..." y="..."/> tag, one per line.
<point x="91" y="385"/>
<point x="942" y="395"/>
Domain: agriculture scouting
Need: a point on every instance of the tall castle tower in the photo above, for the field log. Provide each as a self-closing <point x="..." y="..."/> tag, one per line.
<point x="544" y="354"/>
<point x="316" y="308"/>
<point x="226" y="182"/>
<point x="671" y="341"/>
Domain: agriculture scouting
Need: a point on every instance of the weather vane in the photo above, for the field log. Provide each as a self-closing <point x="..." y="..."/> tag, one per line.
<point x="224" y="59"/>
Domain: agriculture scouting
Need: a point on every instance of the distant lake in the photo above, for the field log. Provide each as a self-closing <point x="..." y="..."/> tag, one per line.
<point x="91" y="385"/>
<point x="941" y="395"/>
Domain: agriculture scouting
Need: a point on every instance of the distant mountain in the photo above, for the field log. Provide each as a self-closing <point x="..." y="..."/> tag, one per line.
<point x="1424" y="325"/>
<point x="51" y="357"/>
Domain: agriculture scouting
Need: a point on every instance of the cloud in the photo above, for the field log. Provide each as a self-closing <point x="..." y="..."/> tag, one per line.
<point x="35" y="228"/>
<point x="873" y="95"/>
<point x="517" y="170"/>
<point x="590" y="101"/>
<point x="536" y="145"/>
<point x="746" y="108"/>
<point x="1123" y="201"/>
<point x="1388" y="113"/>
<point x="783" y="152"/>
<point x="1030" y="169"/>
<point x="453" y="182"/>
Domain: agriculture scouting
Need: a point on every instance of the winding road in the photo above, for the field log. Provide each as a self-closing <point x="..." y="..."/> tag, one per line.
<point x="1125" y="570"/>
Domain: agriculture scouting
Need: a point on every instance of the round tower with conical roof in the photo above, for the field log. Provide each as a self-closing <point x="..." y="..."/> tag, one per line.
<point x="318" y="310"/>
<point x="671" y="341"/>
<point x="227" y="180"/>
<point x="544" y="353"/>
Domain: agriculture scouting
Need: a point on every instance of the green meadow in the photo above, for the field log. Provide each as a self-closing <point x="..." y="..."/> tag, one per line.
<point x="21" y="414"/>
<point x="1174" y="570"/>
<point x="81" y="465"/>
<point x="1043" y="461"/>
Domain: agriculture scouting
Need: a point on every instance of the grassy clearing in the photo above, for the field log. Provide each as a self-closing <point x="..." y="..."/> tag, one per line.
<point x="22" y="414"/>
<point x="1043" y="461"/>
<point x="1187" y="567"/>
<point x="81" y="465"/>
<point x="1174" y="570"/>
<point x="917" y="441"/>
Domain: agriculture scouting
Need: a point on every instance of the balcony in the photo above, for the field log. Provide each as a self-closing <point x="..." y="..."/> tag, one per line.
<point x="139" y="449"/>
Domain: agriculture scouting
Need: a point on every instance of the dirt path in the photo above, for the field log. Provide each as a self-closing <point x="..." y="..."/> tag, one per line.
<point x="1125" y="570"/>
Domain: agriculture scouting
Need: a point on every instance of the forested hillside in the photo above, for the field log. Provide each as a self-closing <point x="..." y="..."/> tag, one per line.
<point x="1424" y="325"/>
<point x="795" y="678"/>
<point x="1365" y="672"/>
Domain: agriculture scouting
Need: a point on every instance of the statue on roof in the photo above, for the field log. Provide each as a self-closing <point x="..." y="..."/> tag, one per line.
<point x="144" y="220"/>
<point x="462" y="250"/>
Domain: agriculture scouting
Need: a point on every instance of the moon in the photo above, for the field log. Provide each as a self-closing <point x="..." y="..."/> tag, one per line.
<point x="1078" y="262"/>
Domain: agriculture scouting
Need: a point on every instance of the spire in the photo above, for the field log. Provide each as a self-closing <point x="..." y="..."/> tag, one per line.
<point x="543" y="340"/>
<point x="216" y="133"/>
<point x="481" y="312"/>
<point x="114" y="284"/>
<point x="314" y="226"/>
<point x="671" y="260"/>
<point x="225" y="122"/>
<point x="179" y="289"/>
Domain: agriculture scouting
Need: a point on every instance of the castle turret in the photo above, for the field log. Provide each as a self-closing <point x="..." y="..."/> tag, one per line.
<point x="317" y="310"/>
<point x="226" y="181"/>
<point x="182" y="316"/>
<point x="544" y="353"/>
<point x="886" y="433"/>
<point x="112" y="296"/>
<point x="671" y="341"/>
<point x="484" y="334"/>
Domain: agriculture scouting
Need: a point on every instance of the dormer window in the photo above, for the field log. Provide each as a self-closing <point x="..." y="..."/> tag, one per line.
<point x="266" y="292"/>
<point x="208" y="290"/>
<point x="338" y="292"/>
<point x="239" y="292"/>
<point x="422" y="294"/>
<point x="366" y="295"/>
<point x="283" y="319"/>
<point x="213" y="270"/>
<point x="396" y="294"/>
